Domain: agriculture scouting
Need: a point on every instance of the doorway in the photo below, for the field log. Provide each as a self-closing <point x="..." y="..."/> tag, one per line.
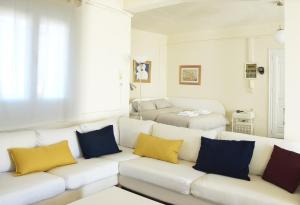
<point x="276" y="93"/>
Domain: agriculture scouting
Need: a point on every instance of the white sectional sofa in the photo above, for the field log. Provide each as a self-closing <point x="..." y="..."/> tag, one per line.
<point x="173" y="183"/>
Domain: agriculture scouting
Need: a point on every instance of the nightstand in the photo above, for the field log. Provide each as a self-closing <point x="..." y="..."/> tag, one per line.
<point x="243" y="122"/>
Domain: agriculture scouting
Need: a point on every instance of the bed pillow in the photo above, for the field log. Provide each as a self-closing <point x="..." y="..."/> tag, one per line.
<point x="144" y="105"/>
<point x="283" y="169"/>
<point x="158" y="148"/>
<point x="162" y="103"/>
<point x="43" y="158"/>
<point x="98" y="142"/>
<point x="225" y="157"/>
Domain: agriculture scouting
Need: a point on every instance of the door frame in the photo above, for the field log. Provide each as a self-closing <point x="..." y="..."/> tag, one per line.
<point x="270" y="114"/>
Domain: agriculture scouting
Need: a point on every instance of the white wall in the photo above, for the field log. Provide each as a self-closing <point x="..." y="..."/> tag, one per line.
<point x="154" y="47"/>
<point x="223" y="55"/>
<point x="292" y="82"/>
<point x="103" y="59"/>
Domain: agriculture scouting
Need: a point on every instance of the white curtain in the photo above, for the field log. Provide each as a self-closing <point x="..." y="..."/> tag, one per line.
<point x="36" y="73"/>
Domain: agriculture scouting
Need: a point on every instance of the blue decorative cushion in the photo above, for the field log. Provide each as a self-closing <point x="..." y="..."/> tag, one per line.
<point x="225" y="157"/>
<point x="98" y="142"/>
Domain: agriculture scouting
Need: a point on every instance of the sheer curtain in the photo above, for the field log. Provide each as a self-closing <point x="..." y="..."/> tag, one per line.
<point x="36" y="73"/>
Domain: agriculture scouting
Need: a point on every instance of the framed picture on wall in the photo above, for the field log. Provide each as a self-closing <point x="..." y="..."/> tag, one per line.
<point x="190" y="74"/>
<point x="142" y="72"/>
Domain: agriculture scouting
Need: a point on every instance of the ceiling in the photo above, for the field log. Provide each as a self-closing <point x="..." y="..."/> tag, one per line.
<point x="197" y="15"/>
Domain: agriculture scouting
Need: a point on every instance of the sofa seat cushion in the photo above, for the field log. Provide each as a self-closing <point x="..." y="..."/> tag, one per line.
<point x="126" y="154"/>
<point x="30" y="188"/>
<point x="230" y="191"/>
<point x="175" y="177"/>
<point x="86" y="171"/>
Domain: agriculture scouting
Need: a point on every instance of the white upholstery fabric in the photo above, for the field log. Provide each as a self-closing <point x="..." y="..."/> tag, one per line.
<point x="51" y="136"/>
<point x="14" y="139"/>
<point x="262" y="150"/>
<point x="86" y="171"/>
<point x="231" y="191"/>
<point x="192" y="137"/>
<point x="175" y="177"/>
<point x="126" y="154"/>
<point x="87" y="127"/>
<point x="131" y="128"/>
<point x="29" y="188"/>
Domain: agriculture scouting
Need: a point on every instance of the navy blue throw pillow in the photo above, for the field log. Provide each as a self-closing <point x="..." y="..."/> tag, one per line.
<point x="225" y="157"/>
<point x="98" y="142"/>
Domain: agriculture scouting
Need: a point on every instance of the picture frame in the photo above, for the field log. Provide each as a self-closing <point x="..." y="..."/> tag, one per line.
<point x="190" y="74"/>
<point x="142" y="72"/>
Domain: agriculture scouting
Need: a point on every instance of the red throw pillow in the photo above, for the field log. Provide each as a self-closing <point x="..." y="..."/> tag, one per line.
<point x="283" y="169"/>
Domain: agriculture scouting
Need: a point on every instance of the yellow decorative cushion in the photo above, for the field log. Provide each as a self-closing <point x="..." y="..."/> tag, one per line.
<point x="158" y="148"/>
<point x="37" y="159"/>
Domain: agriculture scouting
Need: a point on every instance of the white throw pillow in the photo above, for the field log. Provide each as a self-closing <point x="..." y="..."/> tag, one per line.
<point x="192" y="139"/>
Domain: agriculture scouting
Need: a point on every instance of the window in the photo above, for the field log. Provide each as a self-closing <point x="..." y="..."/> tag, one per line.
<point x="34" y="61"/>
<point x="14" y="53"/>
<point x="52" y="59"/>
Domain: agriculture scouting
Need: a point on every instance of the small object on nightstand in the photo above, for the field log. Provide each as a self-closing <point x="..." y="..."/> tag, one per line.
<point x="243" y="121"/>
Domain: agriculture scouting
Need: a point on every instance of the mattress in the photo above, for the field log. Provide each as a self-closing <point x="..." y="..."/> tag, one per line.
<point x="170" y="116"/>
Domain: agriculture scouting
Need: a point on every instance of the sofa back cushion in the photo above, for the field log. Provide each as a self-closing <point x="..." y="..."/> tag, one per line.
<point x="51" y="136"/>
<point x="262" y="150"/>
<point x="97" y="125"/>
<point x="8" y="140"/>
<point x="130" y="130"/>
<point x="192" y="139"/>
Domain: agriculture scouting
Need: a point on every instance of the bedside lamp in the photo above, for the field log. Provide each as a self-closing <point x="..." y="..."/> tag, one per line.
<point x="140" y="61"/>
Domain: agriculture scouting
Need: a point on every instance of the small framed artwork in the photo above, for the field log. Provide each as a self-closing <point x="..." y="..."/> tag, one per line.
<point x="142" y="72"/>
<point x="190" y="74"/>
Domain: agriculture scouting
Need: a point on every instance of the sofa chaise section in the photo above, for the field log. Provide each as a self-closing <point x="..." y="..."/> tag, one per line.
<point x="230" y="191"/>
<point x="175" y="177"/>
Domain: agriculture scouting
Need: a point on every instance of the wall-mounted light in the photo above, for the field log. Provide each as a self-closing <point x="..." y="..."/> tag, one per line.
<point x="279" y="36"/>
<point x="261" y="70"/>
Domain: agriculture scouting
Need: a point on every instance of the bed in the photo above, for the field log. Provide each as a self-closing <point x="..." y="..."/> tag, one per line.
<point x="182" y="112"/>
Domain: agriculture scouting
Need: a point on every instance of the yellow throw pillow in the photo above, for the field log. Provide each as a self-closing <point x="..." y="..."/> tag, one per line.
<point x="158" y="148"/>
<point x="37" y="159"/>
